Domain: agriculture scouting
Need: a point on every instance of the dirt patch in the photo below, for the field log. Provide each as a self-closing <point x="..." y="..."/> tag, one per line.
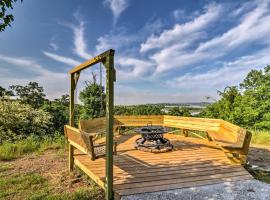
<point x="53" y="166"/>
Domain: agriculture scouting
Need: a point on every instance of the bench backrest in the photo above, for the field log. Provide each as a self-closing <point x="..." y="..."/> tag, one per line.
<point x="139" y="120"/>
<point x="92" y="125"/>
<point x="75" y="138"/>
<point x="192" y="123"/>
<point x="237" y="134"/>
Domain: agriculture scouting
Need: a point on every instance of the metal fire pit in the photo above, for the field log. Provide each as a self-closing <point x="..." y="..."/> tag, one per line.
<point x="152" y="139"/>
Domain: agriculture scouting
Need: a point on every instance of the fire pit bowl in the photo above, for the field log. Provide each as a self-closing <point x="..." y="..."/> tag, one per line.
<point x="152" y="139"/>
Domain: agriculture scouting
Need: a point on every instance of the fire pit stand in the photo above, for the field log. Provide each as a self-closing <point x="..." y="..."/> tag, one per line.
<point x="152" y="139"/>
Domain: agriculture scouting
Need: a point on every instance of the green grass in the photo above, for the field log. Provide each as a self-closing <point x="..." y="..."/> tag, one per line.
<point x="13" y="186"/>
<point x="33" y="186"/>
<point x="9" y="151"/>
<point x="260" y="137"/>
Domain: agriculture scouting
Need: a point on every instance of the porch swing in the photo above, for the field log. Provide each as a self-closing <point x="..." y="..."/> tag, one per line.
<point x="90" y="132"/>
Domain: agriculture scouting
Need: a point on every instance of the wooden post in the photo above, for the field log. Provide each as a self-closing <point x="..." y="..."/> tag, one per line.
<point x="110" y="73"/>
<point x="71" y="121"/>
<point x="70" y="157"/>
<point x="185" y="132"/>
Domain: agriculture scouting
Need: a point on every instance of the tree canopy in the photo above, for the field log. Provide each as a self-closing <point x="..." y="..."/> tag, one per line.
<point x="31" y="94"/>
<point x="6" y="19"/>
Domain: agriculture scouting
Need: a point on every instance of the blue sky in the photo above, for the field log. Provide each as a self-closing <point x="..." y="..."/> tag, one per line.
<point x="166" y="51"/>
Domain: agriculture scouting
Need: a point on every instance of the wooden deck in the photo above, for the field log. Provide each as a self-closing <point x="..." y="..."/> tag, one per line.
<point x="193" y="162"/>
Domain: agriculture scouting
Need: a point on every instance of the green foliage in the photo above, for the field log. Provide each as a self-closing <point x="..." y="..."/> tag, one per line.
<point x="4" y="92"/>
<point x="31" y="94"/>
<point x="93" y="100"/>
<point x="177" y="111"/>
<point x="247" y="105"/>
<point x="122" y="110"/>
<point x="9" y="151"/>
<point x="59" y="112"/>
<point x="139" y="110"/>
<point x="18" y="120"/>
<point x="6" y="19"/>
<point x="147" y="110"/>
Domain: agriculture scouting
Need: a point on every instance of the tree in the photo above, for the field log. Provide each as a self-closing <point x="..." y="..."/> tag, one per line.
<point x="122" y="110"/>
<point x="6" y="19"/>
<point x="59" y="112"/>
<point x="147" y="110"/>
<point x="31" y="94"/>
<point x="177" y="111"/>
<point x="4" y="92"/>
<point x="93" y="100"/>
<point x="186" y="112"/>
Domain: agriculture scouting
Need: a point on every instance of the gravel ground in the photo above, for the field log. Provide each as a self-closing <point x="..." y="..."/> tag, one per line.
<point x="241" y="190"/>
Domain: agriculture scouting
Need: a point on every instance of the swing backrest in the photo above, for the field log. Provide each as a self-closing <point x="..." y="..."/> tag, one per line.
<point x="93" y="125"/>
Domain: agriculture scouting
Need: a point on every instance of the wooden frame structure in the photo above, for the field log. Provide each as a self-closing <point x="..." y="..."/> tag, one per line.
<point x="107" y="59"/>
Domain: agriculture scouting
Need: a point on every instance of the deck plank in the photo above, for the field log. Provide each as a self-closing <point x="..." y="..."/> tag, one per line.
<point x="194" y="162"/>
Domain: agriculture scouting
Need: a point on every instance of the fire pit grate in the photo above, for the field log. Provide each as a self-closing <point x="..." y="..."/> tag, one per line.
<point x="152" y="139"/>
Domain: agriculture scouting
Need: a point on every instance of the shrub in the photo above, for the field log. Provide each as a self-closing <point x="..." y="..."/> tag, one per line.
<point x="19" y="120"/>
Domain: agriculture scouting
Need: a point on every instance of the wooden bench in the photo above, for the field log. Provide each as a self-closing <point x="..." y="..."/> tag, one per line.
<point x="84" y="141"/>
<point x="232" y="139"/>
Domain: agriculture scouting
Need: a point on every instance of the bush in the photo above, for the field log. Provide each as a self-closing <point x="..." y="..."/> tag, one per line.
<point x="19" y="120"/>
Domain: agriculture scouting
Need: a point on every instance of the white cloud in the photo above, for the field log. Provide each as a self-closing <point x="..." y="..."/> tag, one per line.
<point x="115" y="41"/>
<point x="66" y="60"/>
<point x="131" y="68"/>
<point x="253" y="27"/>
<point x="117" y="7"/>
<point x="79" y="41"/>
<point x="227" y="73"/>
<point x="178" y="14"/>
<point x="20" y="61"/>
<point x="182" y="32"/>
<point x="54" y="83"/>
<point x="54" y="46"/>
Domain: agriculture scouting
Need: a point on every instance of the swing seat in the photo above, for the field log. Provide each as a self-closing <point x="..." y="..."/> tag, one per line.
<point x="84" y="142"/>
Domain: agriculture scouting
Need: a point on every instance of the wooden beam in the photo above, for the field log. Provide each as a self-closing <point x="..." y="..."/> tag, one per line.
<point x="71" y="101"/>
<point x="71" y="121"/>
<point x="110" y="73"/>
<point x="70" y="157"/>
<point x="100" y="58"/>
